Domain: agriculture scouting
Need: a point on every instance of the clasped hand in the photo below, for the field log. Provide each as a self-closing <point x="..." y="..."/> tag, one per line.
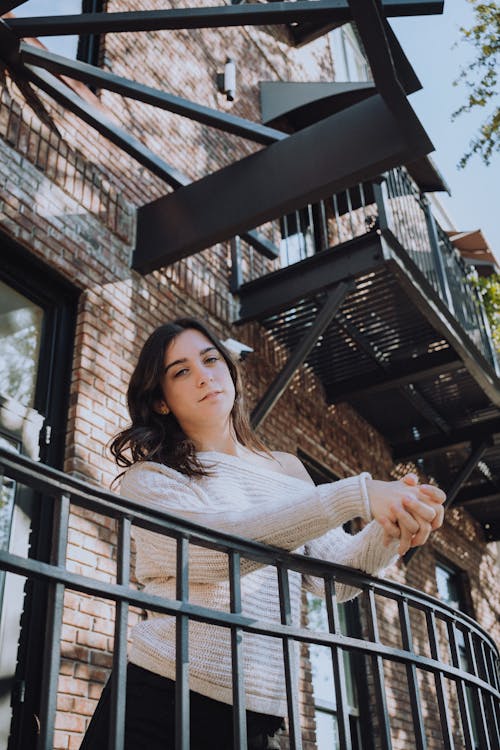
<point x="406" y="510"/>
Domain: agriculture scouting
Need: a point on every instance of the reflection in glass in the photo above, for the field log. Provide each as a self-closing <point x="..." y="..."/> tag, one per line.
<point x="20" y="329"/>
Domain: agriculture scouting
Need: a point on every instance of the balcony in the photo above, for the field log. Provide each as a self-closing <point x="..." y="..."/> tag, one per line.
<point x="366" y="289"/>
<point x="449" y="670"/>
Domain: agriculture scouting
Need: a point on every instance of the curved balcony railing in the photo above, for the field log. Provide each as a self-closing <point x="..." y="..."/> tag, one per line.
<point x="392" y="203"/>
<point x="457" y="674"/>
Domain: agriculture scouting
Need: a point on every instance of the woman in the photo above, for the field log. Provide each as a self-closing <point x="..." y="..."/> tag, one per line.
<point x="190" y="451"/>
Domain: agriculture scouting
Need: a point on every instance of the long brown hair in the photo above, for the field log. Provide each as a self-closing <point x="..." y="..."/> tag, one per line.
<point x="159" y="437"/>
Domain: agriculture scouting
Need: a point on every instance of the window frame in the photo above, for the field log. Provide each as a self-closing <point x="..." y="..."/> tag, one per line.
<point x="359" y="721"/>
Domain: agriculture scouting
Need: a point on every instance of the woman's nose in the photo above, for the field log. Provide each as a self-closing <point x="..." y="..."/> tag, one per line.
<point x="204" y="376"/>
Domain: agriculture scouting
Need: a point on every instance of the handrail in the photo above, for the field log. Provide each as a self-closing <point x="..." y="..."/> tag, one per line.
<point x="477" y="679"/>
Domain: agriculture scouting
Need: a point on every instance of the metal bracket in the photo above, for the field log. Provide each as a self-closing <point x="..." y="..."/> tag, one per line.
<point x="334" y="299"/>
<point x="477" y="452"/>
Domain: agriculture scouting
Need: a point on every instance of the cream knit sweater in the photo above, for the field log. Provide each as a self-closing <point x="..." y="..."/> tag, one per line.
<point x="261" y="504"/>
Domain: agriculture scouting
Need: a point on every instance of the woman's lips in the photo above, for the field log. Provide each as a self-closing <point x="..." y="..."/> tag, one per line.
<point x="211" y="395"/>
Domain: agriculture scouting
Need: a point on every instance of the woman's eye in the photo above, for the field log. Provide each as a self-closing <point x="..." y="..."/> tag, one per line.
<point x="180" y="372"/>
<point x="211" y="359"/>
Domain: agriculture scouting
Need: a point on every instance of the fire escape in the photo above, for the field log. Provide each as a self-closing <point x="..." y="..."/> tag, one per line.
<point x="373" y="297"/>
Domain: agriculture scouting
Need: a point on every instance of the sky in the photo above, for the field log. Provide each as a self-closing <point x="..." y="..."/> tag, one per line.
<point x="430" y="43"/>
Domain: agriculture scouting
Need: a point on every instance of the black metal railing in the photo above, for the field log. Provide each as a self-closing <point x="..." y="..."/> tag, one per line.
<point x="464" y="669"/>
<point x="392" y="203"/>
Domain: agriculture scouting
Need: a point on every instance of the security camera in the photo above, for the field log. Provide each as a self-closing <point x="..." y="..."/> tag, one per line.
<point x="240" y="350"/>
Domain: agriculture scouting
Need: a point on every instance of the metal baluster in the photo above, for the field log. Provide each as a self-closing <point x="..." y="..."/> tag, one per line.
<point x="335" y="204"/>
<point x="291" y="681"/>
<point x="378" y="674"/>
<point x="461" y="692"/>
<point x="477" y="697"/>
<point x="310" y="216"/>
<point x="492" y="678"/>
<point x="55" y="605"/>
<point x="338" y="667"/>
<point x="285" y="230"/>
<point x="236" y="267"/>
<point x="239" y="713"/>
<point x="119" y="674"/>
<point x="324" y="227"/>
<point x="349" y="209"/>
<point x="182" y="649"/>
<point x="411" y="675"/>
<point x="444" y="715"/>
<point x="363" y="205"/>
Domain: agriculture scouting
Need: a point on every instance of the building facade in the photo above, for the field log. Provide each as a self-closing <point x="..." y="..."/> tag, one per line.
<point x="401" y="375"/>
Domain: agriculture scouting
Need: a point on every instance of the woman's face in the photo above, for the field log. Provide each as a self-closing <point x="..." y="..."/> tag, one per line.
<point x="197" y="386"/>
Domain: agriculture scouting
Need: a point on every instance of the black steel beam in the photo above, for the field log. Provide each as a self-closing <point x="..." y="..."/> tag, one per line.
<point x="133" y="147"/>
<point x="210" y="17"/>
<point x="334" y="299"/>
<point x="279" y="290"/>
<point x="91" y="75"/>
<point x="369" y="21"/>
<point x="348" y="147"/>
<point x="476" y="493"/>
<point x="7" y="5"/>
<point x="93" y="116"/>
<point x="477" y="452"/>
<point x="411" y="370"/>
<point x="478" y="432"/>
<point x="487" y="506"/>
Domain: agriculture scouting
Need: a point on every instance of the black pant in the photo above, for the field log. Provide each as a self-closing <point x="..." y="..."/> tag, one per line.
<point x="150" y="718"/>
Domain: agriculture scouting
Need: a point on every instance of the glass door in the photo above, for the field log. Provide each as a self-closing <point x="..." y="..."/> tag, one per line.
<point x="21" y="323"/>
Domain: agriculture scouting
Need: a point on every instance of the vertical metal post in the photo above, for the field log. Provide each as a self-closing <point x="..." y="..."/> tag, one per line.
<point x="461" y="690"/>
<point x="239" y="713"/>
<point x="119" y="675"/>
<point x="411" y="675"/>
<point x="55" y="604"/>
<point x="477" y="698"/>
<point x="378" y="674"/>
<point x="437" y="255"/>
<point x="236" y="279"/>
<point x="444" y="715"/>
<point x="182" y="649"/>
<point x="291" y="681"/>
<point x="338" y="667"/>
<point x="382" y="200"/>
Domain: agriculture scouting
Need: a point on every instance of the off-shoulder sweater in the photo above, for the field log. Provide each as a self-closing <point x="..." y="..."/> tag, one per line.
<point x="259" y="503"/>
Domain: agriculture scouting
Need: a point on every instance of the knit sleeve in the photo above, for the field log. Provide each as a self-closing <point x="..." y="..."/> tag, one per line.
<point x="364" y="551"/>
<point x="283" y="519"/>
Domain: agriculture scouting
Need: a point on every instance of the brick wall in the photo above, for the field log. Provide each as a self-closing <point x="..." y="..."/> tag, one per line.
<point x="70" y="200"/>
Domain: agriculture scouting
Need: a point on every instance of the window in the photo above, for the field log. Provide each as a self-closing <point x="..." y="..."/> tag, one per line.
<point x="348" y="57"/>
<point x="325" y="707"/>
<point x="37" y="316"/>
<point x="451" y="589"/>
<point x="85" y="48"/>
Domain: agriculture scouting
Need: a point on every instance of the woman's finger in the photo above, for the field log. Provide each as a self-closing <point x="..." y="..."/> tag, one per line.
<point x="410" y="479"/>
<point x="422" y="534"/>
<point x="438" y="521"/>
<point x="423" y="511"/>
<point x="433" y="493"/>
